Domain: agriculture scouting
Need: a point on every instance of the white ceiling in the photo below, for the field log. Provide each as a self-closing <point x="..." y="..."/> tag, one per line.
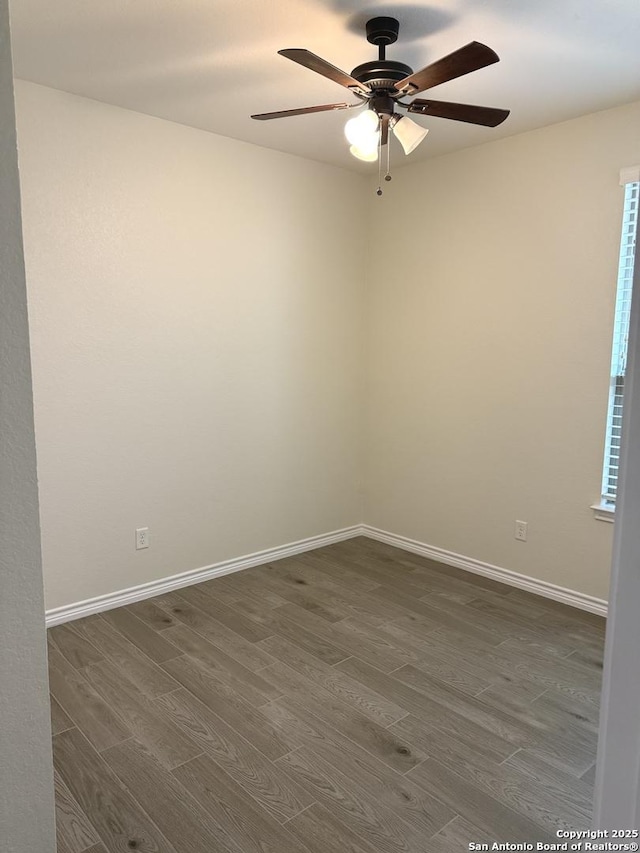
<point x="211" y="63"/>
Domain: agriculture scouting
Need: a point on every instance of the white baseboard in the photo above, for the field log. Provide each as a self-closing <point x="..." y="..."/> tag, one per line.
<point x="148" y="590"/>
<point x="100" y="603"/>
<point x="469" y="564"/>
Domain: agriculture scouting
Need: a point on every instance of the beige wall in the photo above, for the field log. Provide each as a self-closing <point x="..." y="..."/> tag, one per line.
<point x="489" y="347"/>
<point x="195" y="305"/>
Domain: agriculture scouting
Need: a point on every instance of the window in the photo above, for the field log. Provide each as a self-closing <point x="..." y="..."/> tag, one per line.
<point x="630" y="179"/>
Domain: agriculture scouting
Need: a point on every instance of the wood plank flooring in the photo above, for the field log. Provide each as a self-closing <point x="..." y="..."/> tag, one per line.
<point x="356" y="699"/>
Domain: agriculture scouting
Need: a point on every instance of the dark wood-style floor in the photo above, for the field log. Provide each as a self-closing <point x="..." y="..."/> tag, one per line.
<point x="355" y="699"/>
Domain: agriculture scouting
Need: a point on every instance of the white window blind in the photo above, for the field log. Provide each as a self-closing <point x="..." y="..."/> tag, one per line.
<point x="630" y="179"/>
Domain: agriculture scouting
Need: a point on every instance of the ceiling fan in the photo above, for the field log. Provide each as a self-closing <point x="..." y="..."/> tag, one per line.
<point x="382" y="83"/>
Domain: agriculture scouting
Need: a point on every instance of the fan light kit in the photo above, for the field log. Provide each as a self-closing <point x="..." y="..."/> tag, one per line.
<point x="379" y="86"/>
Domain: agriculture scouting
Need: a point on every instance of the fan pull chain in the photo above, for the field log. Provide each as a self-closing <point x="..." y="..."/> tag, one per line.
<point x="379" y="190"/>
<point x="387" y="177"/>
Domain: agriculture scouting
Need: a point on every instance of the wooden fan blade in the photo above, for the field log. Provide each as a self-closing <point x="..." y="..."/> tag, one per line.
<point x="487" y="116"/>
<point x="469" y="58"/>
<point x="321" y="66"/>
<point x="303" y="111"/>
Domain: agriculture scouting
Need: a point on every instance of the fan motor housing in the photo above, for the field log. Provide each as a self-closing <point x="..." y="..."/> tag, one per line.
<point x="381" y="73"/>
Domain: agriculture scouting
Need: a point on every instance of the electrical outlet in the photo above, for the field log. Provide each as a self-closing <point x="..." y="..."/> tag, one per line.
<point x="521" y="531"/>
<point x="142" y="538"/>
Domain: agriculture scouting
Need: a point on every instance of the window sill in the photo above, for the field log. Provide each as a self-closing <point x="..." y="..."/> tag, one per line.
<point x="604" y="512"/>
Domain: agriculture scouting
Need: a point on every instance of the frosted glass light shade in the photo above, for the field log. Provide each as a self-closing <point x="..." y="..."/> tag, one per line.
<point x="362" y="131"/>
<point x="369" y="155"/>
<point x="409" y="134"/>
